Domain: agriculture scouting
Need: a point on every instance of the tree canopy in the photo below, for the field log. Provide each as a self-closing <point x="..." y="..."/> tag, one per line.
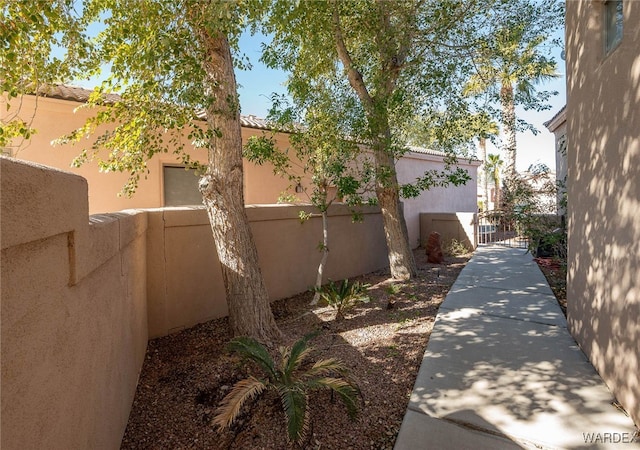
<point x="171" y="64"/>
<point x="397" y="58"/>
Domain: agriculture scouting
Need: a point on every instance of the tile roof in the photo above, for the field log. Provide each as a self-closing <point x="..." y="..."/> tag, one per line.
<point x="559" y="117"/>
<point x="425" y="151"/>
<point x="81" y="95"/>
<point x="428" y="151"/>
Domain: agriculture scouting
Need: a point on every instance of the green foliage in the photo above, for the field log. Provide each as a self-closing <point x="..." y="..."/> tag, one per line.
<point x="29" y="33"/>
<point x="493" y="167"/>
<point x="456" y="248"/>
<point x="292" y="378"/>
<point x="516" y="52"/>
<point x="530" y="201"/>
<point x="510" y="61"/>
<point x="393" y="289"/>
<point x="343" y="296"/>
<point x="434" y="178"/>
<point x="155" y="53"/>
<point x="453" y="130"/>
<point x="377" y="65"/>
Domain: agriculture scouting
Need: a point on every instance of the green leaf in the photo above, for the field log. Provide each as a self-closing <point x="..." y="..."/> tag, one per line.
<point x="249" y="348"/>
<point x="294" y="404"/>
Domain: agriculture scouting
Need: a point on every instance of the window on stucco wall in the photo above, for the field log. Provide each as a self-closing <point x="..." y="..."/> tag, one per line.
<point x="180" y="187"/>
<point x="613" y="18"/>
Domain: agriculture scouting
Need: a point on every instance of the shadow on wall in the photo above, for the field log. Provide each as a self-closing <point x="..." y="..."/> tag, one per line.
<point x="603" y="119"/>
<point x="81" y="295"/>
<point x="186" y="288"/>
<point x="458" y="226"/>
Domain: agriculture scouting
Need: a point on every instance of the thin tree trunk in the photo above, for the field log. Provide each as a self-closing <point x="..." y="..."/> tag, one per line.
<point x="222" y="191"/>
<point x="509" y="124"/>
<point x="401" y="260"/>
<point x="483" y="172"/>
<point x="325" y="256"/>
<point x="496" y="182"/>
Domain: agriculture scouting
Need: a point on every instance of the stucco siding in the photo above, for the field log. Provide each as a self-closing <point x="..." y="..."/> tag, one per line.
<point x="81" y="295"/>
<point x="74" y="321"/>
<point x="450" y="199"/>
<point x="603" y="123"/>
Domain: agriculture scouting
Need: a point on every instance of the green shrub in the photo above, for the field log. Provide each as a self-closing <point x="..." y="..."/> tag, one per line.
<point x="456" y="248"/>
<point x="343" y="296"/>
<point x="393" y="289"/>
<point x="291" y="380"/>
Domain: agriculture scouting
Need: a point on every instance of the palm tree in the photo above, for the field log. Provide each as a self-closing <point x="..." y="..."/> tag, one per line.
<point x="507" y="69"/>
<point x="486" y="129"/>
<point x="493" y="166"/>
<point x="290" y="380"/>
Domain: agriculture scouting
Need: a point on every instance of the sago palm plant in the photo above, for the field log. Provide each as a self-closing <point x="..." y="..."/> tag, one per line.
<point x="343" y="296"/>
<point x="291" y="379"/>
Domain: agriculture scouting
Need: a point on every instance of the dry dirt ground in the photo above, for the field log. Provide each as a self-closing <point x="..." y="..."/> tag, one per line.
<point x="555" y="271"/>
<point x="186" y="375"/>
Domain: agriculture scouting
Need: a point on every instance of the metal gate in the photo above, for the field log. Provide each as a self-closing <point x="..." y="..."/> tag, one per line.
<point x="499" y="228"/>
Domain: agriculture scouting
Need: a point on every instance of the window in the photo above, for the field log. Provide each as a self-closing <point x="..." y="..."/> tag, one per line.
<point x="613" y="24"/>
<point x="180" y="187"/>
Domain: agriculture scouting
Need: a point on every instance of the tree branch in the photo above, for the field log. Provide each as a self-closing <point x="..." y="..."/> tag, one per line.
<point x="353" y="75"/>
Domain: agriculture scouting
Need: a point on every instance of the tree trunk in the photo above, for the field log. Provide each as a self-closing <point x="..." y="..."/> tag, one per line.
<point x="401" y="261"/>
<point x="509" y="130"/>
<point x="325" y="256"/>
<point x="496" y="183"/>
<point x="222" y="191"/>
<point x="482" y="170"/>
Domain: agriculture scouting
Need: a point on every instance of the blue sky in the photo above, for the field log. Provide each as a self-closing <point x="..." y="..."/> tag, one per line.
<point x="258" y="84"/>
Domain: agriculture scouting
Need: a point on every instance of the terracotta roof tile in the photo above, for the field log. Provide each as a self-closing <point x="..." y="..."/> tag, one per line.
<point x="81" y="95"/>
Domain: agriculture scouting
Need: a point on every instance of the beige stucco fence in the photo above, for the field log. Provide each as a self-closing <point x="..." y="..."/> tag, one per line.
<point x="81" y="296"/>
<point x="461" y="227"/>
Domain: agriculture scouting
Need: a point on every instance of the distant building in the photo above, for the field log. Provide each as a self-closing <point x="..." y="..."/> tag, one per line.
<point x="168" y="184"/>
<point x="558" y="126"/>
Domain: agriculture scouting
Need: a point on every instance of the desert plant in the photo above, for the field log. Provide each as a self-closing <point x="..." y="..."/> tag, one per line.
<point x="531" y="202"/>
<point x="393" y="291"/>
<point x="292" y="380"/>
<point x="456" y="248"/>
<point x="343" y="296"/>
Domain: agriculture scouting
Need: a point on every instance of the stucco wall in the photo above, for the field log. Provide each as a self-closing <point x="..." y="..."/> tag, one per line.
<point x="603" y="123"/>
<point x="80" y="295"/>
<point x="449" y="199"/>
<point x="185" y="287"/>
<point x="74" y="320"/>
<point x="458" y="226"/>
<point x="53" y="118"/>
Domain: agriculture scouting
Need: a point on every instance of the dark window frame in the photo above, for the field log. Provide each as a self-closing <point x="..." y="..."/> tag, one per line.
<point x="613" y="24"/>
<point x="165" y="187"/>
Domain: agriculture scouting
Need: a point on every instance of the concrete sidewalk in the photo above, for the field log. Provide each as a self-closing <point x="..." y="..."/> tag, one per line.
<point x="501" y="370"/>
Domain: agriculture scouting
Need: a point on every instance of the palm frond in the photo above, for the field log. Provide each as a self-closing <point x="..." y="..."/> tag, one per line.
<point x="297" y="354"/>
<point x="230" y="407"/>
<point x="325" y="367"/>
<point x="251" y="349"/>
<point x="294" y="403"/>
<point x="346" y="390"/>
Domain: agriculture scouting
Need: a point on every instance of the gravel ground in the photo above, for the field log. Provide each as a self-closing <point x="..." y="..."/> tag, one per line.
<point x="555" y="271"/>
<point x="186" y="375"/>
